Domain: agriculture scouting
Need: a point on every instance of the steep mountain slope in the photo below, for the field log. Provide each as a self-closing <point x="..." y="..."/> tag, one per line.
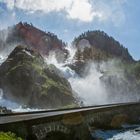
<point x="97" y="45"/>
<point x="43" y="42"/>
<point x="99" y="54"/>
<point x="32" y="37"/>
<point x="26" y="79"/>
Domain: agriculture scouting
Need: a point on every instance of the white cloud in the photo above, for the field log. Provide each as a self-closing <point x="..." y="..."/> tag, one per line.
<point x="83" y="10"/>
<point x="10" y="3"/>
<point x="112" y="11"/>
<point x="45" y="6"/>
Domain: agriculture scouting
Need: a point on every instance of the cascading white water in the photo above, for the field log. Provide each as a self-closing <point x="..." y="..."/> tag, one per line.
<point x="66" y="71"/>
<point x="15" y="107"/>
<point x="89" y="88"/>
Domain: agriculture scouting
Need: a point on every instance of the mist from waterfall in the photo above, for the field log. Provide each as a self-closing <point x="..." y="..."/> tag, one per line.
<point x="89" y="88"/>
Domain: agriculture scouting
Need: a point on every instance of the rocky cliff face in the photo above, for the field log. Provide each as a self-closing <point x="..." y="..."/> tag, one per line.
<point x="26" y="79"/>
<point x="39" y="40"/>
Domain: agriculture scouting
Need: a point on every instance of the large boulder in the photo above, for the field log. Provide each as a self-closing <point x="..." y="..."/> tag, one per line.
<point x="26" y="79"/>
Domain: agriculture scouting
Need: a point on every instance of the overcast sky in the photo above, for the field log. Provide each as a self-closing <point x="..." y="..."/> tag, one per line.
<point x="69" y="18"/>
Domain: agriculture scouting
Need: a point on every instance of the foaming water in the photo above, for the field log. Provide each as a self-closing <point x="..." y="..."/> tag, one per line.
<point x="120" y="134"/>
<point x="93" y="87"/>
<point x="15" y="107"/>
<point x="21" y="109"/>
<point x="128" y="135"/>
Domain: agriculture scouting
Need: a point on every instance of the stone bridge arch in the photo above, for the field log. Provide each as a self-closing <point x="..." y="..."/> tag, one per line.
<point x="42" y="131"/>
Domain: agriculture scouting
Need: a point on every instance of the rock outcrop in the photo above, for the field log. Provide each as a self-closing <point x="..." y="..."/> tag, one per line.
<point x="39" y="40"/>
<point x="26" y="79"/>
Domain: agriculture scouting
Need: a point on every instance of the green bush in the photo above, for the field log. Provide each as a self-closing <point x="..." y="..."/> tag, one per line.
<point x="8" y="136"/>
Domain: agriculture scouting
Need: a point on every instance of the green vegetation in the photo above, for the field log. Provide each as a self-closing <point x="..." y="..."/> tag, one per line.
<point x="9" y="136"/>
<point x="34" y="82"/>
<point x="105" y="45"/>
<point x="92" y="53"/>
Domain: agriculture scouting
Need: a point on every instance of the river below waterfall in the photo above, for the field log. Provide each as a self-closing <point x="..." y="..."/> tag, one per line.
<point x="131" y="133"/>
